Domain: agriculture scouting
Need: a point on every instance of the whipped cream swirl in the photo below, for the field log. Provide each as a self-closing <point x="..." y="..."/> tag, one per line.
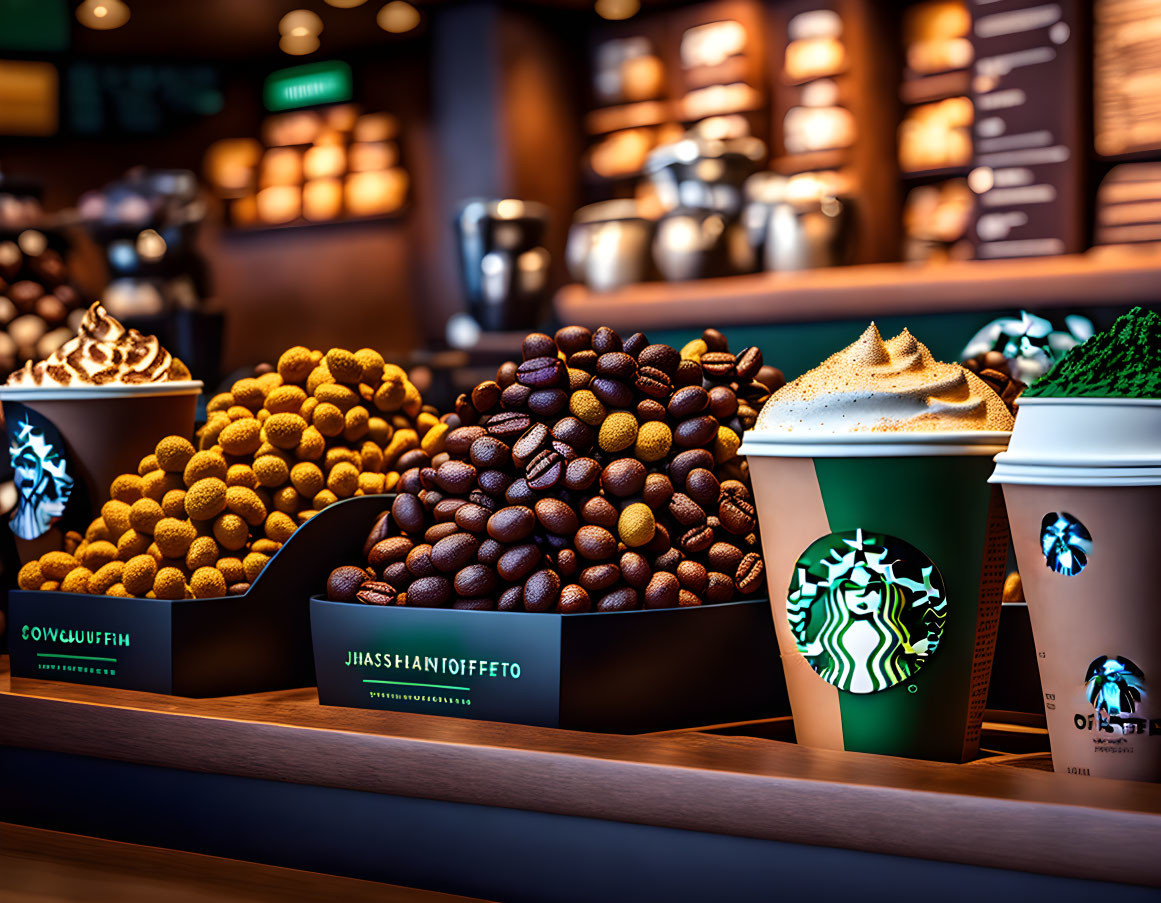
<point x="103" y="353"/>
<point x="884" y="386"/>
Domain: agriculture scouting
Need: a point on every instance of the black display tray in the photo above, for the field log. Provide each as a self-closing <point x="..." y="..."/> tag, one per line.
<point x="193" y="647"/>
<point x="622" y="672"/>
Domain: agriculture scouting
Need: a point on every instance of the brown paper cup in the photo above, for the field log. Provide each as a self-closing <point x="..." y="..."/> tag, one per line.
<point x="885" y="564"/>
<point x="100" y="433"/>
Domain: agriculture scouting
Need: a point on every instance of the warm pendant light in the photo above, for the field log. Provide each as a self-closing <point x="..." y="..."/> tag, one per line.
<point x="616" y="10"/>
<point x="397" y="17"/>
<point x="103" y="15"/>
<point x="300" y="29"/>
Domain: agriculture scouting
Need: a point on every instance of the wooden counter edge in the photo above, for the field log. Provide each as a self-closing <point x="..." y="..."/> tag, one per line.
<point x="1075" y="837"/>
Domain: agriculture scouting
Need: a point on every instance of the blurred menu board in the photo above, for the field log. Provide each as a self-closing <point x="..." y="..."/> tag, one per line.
<point x="140" y="98"/>
<point x="1127" y="76"/>
<point x="1026" y="86"/>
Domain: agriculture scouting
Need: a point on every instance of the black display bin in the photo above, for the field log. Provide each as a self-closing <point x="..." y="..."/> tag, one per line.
<point x="193" y="647"/>
<point x="617" y="672"/>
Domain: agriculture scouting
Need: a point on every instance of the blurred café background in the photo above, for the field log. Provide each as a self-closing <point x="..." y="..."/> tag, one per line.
<point x="434" y="179"/>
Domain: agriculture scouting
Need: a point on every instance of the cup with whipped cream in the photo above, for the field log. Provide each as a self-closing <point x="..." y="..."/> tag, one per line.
<point x="885" y="547"/>
<point x="84" y="415"/>
<point x="1082" y="482"/>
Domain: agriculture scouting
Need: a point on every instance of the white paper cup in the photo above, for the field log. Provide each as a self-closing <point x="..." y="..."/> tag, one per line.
<point x="1082" y="481"/>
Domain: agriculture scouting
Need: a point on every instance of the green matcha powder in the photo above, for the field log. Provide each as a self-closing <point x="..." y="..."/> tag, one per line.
<point x="1124" y="362"/>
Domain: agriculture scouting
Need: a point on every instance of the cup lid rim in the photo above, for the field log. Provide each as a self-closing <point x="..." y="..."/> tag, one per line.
<point x="1107" y="400"/>
<point x="933" y="437"/>
<point x="67" y="393"/>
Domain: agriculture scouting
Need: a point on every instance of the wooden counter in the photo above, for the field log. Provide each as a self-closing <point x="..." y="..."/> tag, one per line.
<point x="1109" y="277"/>
<point x="991" y="815"/>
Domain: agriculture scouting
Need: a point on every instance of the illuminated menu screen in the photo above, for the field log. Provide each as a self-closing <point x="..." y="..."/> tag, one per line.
<point x="1127" y="76"/>
<point x="1026" y="85"/>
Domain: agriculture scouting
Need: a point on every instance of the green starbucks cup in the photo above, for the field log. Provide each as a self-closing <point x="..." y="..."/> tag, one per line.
<point x="885" y="548"/>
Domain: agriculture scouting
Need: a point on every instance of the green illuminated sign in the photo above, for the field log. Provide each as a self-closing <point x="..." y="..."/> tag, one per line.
<point x="305" y="86"/>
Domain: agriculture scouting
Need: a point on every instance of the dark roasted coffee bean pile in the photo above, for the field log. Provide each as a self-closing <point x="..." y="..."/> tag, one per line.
<point x="598" y="474"/>
<point x="992" y="368"/>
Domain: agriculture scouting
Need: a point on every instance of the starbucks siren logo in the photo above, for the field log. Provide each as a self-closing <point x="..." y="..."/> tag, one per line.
<point x="1115" y="686"/>
<point x="1065" y="542"/>
<point x="867" y="611"/>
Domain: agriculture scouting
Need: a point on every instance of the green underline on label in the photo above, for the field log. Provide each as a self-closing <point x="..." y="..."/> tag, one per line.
<point x="87" y="658"/>
<point x="403" y="683"/>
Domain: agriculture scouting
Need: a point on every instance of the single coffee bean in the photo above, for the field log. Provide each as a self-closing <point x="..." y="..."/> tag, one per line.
<point x="662" y="357"/>
<point x="515" y="397"/>
<point x="542" y="591"/>
<point x="668" y="560"/>
<point x="416" y="457"/>
<point x="465" y="410"/>
<point x="431" y="498"/>
<point x="723" y="403"/>
<point x="735" y="512"/>
<point x="540" y="372"/>
<point x="686" y="511"/>
<point x="419" y="561"/>
<point x="519" y="493"/>
<point x="695" y="432"/>
<point x="686" y="599"/>
<point x="662" y="591"/>
<point x="688" y="402"/>
<point x="660" y="541"/>
<point x="481" y="498"/>
<point x="623" y="599"/>
<point x="623" y="478"/>
<point x="486" y="396"/>
<point x="688" y="373"/>
<point x="489" y="551"/>
<point x="409" y="482"/>
<point x="571" y="339"/>
<point x="566" y="451"/>
<point x="488" y="452"/>
<point x="475" y="580"/>
<point x="599" y="512"/>
<point x="454" y="552"/>
<point x="635" y="569"/>
<point x="532" y="441"/>
<point x="754" y="393"/>
<point x="573" y="600"/>
<point x="719" y="588"/>
<point x="714" y="340"/>
<point x="344" y="582"/>
<point x="749" y="362"/>
<point x="427" y="480"/>
<point x="649" y="409"/>
<point x="545" y="470"/>
<point x="508" y="424"/>
<point x="718" y="365"/>
<point x="748" y="578"/>
<point x="724" y="557"/>
<point x="512" y="599"/>
<point x="407" y="511"/>
<point x="575" y="432"/>
<point x="658" y="491"/>
<point x="703" y="487"/>
<point x="595" y="543"/>
<point x="692" y="576"/>
<point x="606" y="340"/>
<point x="484" y="603"/>
<point x="696" y="540"/>
<point x="581" y="473"/>
<point x="441" y="459"/>
<point x="537" y="344"/>
<point x="494" y="482"/>
<point x="567" y="563"/>
<point x="548" y="402"/>
<point x="512" y="524"/>
<point x="429" y="592"/>
<point x="617" y="365"/>
<point x="611" y="392"/>
<point x="556" y="517"/>
<point x="771" y="377"/>
<point x="687" y="461"/>
<point x="376" y="592"/>
<point x="636" y="343"/>
<point x="506" y="374"/>
<point x="456" y="477"/>
<point x="398" y="575"/>
<point x="652" y="382"/>
<point x="445" y="509"/>
<point x="378" y="533"/>
<point x="599" y="577"/>
<point x="585" y="360"/>
<point x="389" y="551"/>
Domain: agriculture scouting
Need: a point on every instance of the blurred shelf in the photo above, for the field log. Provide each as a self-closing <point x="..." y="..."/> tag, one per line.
<point x="936" y="174"/>
<point x="1107" y="277"/>
<point x="810" y="161"/>
<point x="938" y="86"/>
<point x="629" y="116"/>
